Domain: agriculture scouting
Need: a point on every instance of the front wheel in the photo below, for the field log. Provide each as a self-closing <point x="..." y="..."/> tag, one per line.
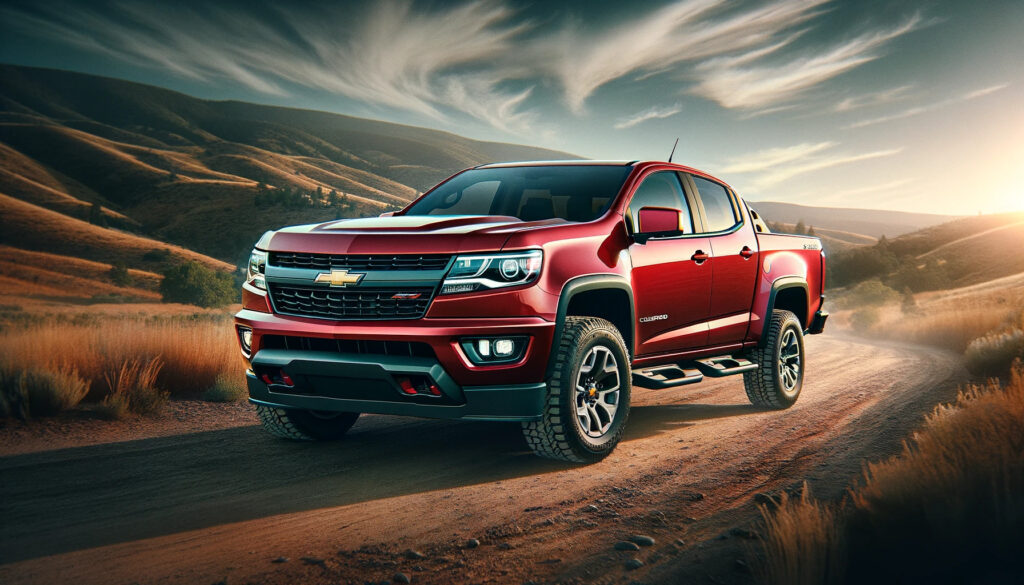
<point x="588" y="394"/>
<point x="305" y="425"/>
<point x="777" y="381"/>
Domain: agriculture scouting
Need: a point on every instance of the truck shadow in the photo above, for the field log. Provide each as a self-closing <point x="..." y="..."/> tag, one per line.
<point x="70" y="499"/>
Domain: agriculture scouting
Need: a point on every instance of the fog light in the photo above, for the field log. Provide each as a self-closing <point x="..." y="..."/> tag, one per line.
<point x="504" y="348"/>
<point x="245" y="339"/>
<point x="482" y="351"/>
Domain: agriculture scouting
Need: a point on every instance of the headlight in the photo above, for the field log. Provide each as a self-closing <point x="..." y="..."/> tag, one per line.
<point x="257" y="269"/>
<point x="487" y="271"/>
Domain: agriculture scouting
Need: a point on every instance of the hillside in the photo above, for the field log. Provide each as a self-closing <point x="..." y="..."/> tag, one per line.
<point x="867" y="222"/>
<point x="957" y="253"/>
<point x="207" y="175"/>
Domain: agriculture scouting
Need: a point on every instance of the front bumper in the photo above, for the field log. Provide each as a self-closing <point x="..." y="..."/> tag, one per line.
<point x="347" y="383"/>
<point x="352" y="382"/>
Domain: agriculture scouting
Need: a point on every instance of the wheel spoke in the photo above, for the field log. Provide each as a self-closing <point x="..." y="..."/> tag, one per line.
<point x="597" y="391"/>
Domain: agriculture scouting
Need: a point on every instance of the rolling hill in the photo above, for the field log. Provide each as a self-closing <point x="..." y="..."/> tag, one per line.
<point x="958" y="253"/>
<point x="866" y="222"/>
<point x="209" y="175"/>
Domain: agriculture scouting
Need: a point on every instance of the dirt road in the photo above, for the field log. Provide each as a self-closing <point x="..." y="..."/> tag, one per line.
<point x="223" y="505"/>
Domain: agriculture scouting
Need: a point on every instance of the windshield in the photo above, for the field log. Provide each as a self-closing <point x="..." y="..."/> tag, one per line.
<point x="571" y="192"/>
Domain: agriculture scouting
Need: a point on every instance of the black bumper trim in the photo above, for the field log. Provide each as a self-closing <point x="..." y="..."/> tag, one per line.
<point x="519" y="402"/>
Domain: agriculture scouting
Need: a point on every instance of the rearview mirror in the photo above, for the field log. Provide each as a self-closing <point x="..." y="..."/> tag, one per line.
<point x="656" y="221"/>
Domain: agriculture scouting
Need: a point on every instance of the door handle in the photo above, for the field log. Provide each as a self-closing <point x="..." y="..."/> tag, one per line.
<point x="746" y="252"/>
<point x="699" y="257"/>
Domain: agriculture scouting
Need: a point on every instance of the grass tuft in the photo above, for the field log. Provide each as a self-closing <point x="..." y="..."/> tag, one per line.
<point x="133" y="389"/>
<point x="229" y="387"/>
<point x="39" y="392"/>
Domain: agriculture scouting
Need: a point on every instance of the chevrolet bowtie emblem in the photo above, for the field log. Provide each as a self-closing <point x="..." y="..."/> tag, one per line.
<point x="339" y="278"/>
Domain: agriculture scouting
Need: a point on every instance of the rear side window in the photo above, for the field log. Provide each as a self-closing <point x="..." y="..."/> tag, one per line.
<point x="661" y="190"/>
<point x="721" y="215"/>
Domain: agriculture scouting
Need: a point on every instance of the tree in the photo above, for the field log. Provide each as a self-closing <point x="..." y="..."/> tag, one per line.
<point x="800" y="228"/>
<point x="195" y="284"/>
<point x="96" y="215"/>
<point x="810" y="232"/>
<point x="119" y="274"/>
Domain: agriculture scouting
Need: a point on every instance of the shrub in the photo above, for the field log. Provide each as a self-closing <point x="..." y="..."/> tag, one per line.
<point x="195" y="284"/>
<point x="157" y="255"/>
<point x="871" y="293"/>
<point x="133" y="388"/>
<point x="119" y="274"/>
<point x="993" y="354"/>
<point x="40" y="392"/>
<point x="229" y="387"/>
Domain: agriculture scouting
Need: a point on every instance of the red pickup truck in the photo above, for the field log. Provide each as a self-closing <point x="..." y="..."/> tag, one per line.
<point x="539" y="292"/>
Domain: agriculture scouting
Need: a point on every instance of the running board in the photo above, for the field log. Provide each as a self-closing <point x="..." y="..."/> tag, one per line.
<point x="719" y="367"/>
<point x="662" y="377"/>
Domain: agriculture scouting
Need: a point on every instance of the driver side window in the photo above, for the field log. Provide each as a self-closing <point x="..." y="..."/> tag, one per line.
<point x="662" y="189"/>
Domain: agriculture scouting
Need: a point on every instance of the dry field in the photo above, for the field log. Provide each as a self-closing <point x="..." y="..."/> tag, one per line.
<point x="955" y="493"/>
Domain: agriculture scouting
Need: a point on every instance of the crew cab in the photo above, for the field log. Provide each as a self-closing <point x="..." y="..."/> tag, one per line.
<point x="536" y="292"/>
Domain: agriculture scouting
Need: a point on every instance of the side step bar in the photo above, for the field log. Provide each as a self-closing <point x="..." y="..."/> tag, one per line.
<point x="661" y="377"/>
<point x="718" y="367"/>
<point x="690" y="372"/>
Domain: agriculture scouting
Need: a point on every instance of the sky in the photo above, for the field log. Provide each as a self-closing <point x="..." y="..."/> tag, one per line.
<point x="900" y="105"/>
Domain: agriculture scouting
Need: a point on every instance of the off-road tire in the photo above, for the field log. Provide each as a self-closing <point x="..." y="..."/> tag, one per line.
<point x="765" y="386"/>
<point x="301" y="425"/>
<point x="558" y="434"/>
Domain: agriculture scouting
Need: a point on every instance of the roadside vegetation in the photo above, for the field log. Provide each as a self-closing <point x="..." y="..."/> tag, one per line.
<point x="947" y="509"/>
<point x="119" y="365"/>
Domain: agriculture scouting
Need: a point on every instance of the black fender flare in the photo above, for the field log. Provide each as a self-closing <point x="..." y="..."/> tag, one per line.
<point x="778" y="285"/>
<point x="588" y="283"/>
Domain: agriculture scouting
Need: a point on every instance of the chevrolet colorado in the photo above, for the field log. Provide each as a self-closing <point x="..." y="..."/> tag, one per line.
<point x="538" y="292"/>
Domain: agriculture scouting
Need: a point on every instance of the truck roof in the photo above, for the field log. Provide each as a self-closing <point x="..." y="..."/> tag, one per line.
<point x="588" y="162"/>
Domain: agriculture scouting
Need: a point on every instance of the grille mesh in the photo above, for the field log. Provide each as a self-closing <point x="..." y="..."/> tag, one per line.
<point x="366" y="303"/>
<point x="356" y="346"/>
<point x="359" y="262"/>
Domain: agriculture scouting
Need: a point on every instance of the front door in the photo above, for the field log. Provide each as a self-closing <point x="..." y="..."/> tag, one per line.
<point x="671" y="281"/>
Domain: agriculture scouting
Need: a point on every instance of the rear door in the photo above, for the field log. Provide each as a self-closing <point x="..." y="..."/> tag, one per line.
<point x="672" y="291"/>
<point x="734" y="260"/>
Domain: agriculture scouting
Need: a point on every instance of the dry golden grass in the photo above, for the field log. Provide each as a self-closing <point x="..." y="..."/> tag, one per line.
<point x="950" y="329"/>
<point x="194" y="353"/>
<point x="133" y="389"/>
<point x="948" y="509"/>
<point x="802" y="542"/>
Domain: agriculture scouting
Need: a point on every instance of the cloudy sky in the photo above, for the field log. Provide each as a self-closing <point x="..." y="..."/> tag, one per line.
<point x="880" y="104"/>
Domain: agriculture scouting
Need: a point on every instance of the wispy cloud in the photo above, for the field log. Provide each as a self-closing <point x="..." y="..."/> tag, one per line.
<point x="683" y="31"/>
<point x="478" y="58"/>
<point x="655" y="113"/>
<point x="387" y="54"/>
<point x="877" y="98"/>
<point x="734" y="82"/>
<point x="917" y="110"/>
<point x="775" y="165"/>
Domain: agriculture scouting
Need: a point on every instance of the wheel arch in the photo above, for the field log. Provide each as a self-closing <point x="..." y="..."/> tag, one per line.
<point x="789" y="293"/>
<point x="607" y="296"/>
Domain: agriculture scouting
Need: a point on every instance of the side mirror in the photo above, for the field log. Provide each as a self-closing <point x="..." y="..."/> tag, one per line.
<point x="656" y="221"/>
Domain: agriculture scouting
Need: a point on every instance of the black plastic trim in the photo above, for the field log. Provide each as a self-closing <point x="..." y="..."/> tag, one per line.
<point x="588" y="283"/>
<point x="780" y="284"/>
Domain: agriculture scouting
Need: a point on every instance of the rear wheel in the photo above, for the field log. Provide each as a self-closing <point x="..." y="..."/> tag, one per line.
<point x="777" y="381"/>
<point x="588" y="394"/>
<point x="305" y="425"/>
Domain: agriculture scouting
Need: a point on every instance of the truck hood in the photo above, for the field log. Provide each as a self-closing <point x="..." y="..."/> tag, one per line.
<point x="418" y="234"/>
